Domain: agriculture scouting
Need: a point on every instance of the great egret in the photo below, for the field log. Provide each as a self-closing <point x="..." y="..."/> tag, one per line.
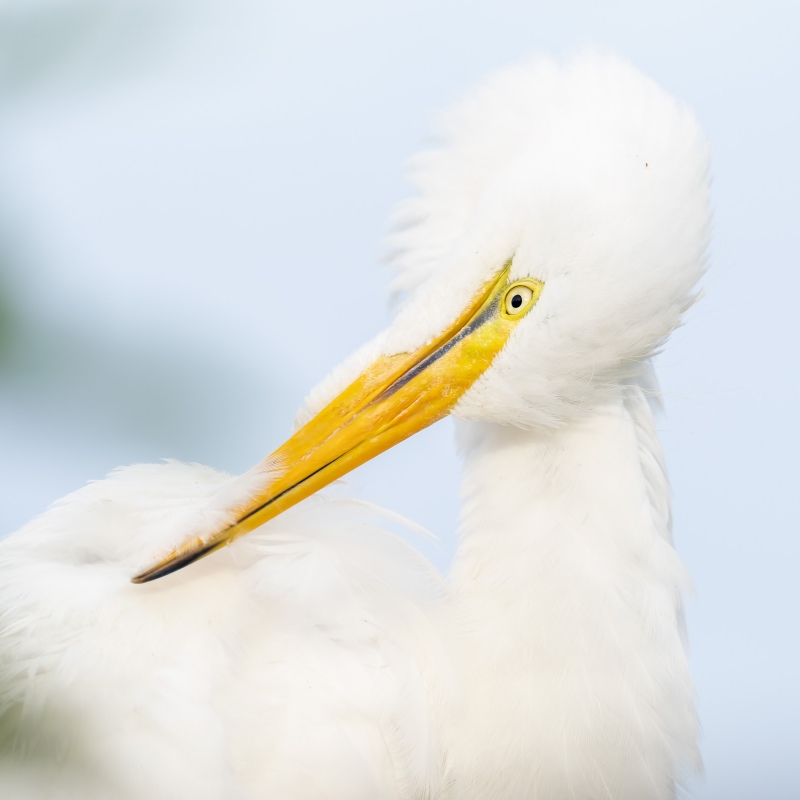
<point x="560" y="226"/>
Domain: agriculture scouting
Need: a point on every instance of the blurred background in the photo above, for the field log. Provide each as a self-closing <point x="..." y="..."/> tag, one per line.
<point x="193" y="200"/>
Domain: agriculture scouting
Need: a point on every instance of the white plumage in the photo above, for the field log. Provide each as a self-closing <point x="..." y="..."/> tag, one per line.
<point x="320" y="656"/>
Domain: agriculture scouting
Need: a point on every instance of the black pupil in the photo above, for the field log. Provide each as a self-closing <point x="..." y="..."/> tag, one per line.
<point x="516" y="301"/>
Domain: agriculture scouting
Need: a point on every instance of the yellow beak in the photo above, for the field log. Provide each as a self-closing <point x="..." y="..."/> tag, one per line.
<point x="392" y="399"/>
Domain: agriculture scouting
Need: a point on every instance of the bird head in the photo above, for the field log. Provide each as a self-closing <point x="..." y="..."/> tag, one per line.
<point x="559" y="228"/>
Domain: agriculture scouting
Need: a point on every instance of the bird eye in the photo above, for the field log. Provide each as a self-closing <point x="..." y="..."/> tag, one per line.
<point x="519" y="298"/>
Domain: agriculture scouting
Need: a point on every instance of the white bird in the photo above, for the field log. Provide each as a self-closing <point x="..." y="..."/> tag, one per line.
<point x="560" y="226"/>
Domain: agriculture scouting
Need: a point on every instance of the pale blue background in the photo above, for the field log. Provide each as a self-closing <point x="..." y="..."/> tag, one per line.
<point x="193" y="198"/>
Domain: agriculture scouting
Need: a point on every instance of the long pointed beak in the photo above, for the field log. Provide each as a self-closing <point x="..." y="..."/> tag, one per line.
<point x="392" y="399"/>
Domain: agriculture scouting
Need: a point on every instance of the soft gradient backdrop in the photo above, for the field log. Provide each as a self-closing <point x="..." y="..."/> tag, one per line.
<point x="193" y="197"/>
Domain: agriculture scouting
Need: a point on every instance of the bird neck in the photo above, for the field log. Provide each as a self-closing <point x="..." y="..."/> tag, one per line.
<point x="567" y="598"/>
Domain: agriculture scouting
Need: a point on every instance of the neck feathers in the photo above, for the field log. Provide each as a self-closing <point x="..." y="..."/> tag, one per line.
<point x="568" y="599"/>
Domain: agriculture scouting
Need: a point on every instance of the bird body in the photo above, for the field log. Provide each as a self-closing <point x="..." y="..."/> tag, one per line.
<point x="557" y="235"/>
<point x="269" y="671"/>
